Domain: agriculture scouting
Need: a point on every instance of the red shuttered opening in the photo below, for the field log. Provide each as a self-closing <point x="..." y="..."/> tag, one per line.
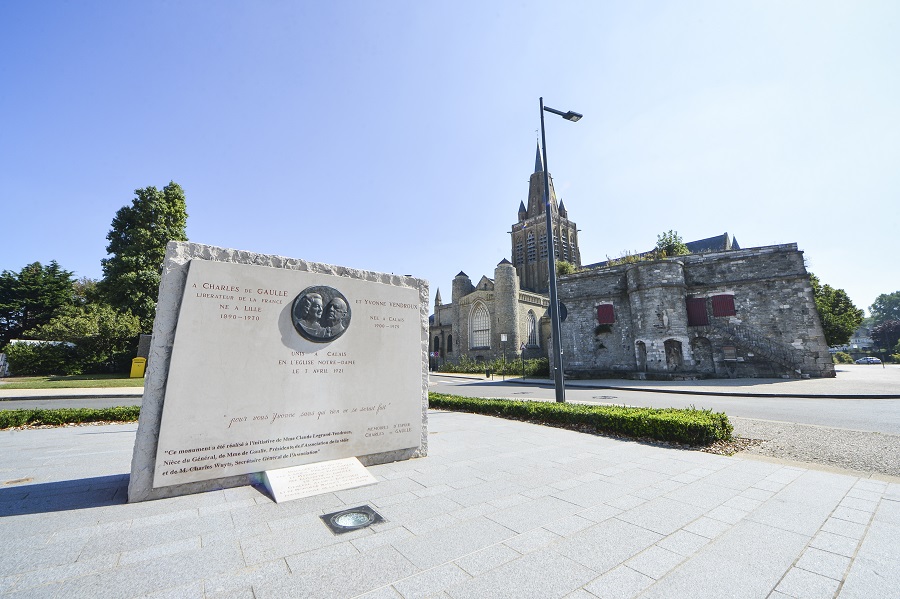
<point x="696" y="311"/>
<point x="723" y="305"/>
<point x="605" y="314"/>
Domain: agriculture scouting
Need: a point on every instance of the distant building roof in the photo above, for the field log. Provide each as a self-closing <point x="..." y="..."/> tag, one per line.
<point x="712" y="244"/>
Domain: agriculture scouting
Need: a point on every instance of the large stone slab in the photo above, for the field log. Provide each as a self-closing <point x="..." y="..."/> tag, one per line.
<point x="261" y="362"/>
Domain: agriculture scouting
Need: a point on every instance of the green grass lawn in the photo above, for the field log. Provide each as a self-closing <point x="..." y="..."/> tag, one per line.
<point x="68" y="382"/>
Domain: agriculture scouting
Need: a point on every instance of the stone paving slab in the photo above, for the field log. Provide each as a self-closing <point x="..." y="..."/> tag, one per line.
<point x="498" y="509"/>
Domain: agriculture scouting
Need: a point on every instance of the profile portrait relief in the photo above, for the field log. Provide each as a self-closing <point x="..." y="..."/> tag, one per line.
<point x="320" y="314"/>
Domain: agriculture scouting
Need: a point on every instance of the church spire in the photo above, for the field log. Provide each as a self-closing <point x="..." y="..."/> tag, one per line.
<point x="528" y="237"/>
<point x="538" y="160"/>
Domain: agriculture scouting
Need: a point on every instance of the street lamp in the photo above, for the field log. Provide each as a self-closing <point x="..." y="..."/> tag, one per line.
<point x="558" y="381"/>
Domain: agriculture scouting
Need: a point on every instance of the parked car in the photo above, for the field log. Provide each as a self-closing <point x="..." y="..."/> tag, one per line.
<point x="868" y="360"/>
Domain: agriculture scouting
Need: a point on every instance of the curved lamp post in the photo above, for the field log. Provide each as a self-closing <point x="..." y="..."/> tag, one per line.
<point x="558" y="381"/>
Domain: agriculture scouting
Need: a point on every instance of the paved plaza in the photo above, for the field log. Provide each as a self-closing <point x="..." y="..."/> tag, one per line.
<point x="497" y="509"/>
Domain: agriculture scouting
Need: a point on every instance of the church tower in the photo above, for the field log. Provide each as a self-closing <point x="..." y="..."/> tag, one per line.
<point x="529" y="235"/>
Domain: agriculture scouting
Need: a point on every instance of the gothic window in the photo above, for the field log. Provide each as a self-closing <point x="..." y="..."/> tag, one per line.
<point x="520" y="253"/>
<point x="532" y="329"/>
<point x="565" y="248"/>
<point x="481" y="327"/>
<point x="556" y="246"/>
<point x="449" y="344"/>
<point x="437" y="344"/>
<point x="543" y="245"/>
<point x="723" y="305"/>
<point x="531" y="254"/>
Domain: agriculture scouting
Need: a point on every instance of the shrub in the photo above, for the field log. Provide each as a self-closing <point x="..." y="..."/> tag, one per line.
<point x="843" y="358"/>
<point x="534" y="367"/>
<point x="42" y="358"/>
<point x="10" y="418"/>
<point x="670" y="244"/>
<point x="629" y="257"/>
<point x="564" y="267"/>
<point x="690" y="426"/>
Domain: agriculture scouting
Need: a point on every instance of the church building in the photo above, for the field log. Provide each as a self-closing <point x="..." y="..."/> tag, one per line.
<point x="507" y="315"/>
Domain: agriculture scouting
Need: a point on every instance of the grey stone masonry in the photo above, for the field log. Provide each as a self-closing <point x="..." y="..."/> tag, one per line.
<point x="737" y="313"/>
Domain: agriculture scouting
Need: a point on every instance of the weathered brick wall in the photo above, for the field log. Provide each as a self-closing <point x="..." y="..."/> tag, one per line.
<point x="586" y="345"/>
<point x="773" y="299"/>
<point x="656" y="292"/>
<point x="774" y="331"/>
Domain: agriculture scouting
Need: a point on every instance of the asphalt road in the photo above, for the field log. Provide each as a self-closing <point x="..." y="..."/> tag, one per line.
<point x="871" y="415"/>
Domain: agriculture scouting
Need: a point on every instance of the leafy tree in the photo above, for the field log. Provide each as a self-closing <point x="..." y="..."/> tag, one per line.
<point x="886" y="334"/>
<point x="670" y="244"/>
<point x="137" y="247"/>
<point x="85" y="291"/>
<point x="31" y="297"/>
<point x="839" y="316"/>
<point x="104" y="338"/>
<point x="886" y="307"/>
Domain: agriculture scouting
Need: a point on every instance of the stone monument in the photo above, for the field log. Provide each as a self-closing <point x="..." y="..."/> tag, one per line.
<point x="262" y="362"/>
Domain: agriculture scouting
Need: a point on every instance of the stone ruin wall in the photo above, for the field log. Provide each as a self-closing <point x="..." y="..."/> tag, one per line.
<point x="772" y="298"/>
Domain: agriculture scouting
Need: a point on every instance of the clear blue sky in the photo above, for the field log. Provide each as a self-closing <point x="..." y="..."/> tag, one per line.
<point x="400" y="136"/>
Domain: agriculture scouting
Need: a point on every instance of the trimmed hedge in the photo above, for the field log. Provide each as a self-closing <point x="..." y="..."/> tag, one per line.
<point x="512" y="367"/>
<point x="689" y="426"/>
<point x="11" y="418"/>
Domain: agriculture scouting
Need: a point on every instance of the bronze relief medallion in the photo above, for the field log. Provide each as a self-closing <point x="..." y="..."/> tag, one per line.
<point x="320" y="313"/>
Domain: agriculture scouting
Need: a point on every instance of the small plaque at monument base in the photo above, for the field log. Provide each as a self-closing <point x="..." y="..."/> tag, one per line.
<point x="297" y="482"/>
